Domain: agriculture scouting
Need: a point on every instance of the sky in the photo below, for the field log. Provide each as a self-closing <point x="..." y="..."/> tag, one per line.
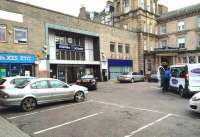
<point x="72" y="7"/>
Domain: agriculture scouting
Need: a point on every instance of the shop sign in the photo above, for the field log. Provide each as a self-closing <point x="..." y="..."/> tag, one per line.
<point x="69" y="47"/>
<point x="17" y="58"/>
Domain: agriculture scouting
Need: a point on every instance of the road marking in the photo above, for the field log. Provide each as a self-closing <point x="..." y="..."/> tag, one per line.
<point x="67" y="123"/>
<point x="55" y="108"/>
<point x="130" y="107"/>
<point x="148" y="125"/>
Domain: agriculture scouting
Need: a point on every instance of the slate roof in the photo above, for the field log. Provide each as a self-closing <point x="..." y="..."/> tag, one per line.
<point x="180" y="12"/>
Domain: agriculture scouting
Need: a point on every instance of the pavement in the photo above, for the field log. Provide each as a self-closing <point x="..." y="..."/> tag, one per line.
<point x="114" y="110"/>
<point x="9" y="130"/>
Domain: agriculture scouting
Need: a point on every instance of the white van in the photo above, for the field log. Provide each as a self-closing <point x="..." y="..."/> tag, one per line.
<point x="185" y="79"/>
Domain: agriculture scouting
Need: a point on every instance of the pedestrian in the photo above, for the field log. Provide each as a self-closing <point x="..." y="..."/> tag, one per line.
<point x="166" y="78"/>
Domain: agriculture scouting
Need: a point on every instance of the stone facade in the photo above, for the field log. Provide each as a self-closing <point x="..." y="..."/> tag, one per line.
<point x="37" y="19"/>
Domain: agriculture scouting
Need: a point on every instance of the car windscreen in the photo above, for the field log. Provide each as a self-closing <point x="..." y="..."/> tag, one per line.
<point x="22" y="84"/>
<point x="2" y="81"/>
<point x="87" y="77"/>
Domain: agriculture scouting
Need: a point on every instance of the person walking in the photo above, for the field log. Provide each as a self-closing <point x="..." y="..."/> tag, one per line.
<point x="166" y="78"/>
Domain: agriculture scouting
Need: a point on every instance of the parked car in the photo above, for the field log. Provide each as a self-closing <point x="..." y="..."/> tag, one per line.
<point x="131" y="77"/>
<point x="194" y="103"/>
<point x="10" y="82"/>
<point x="152" y="77"/>
<point x="185" y="79"/>
<point x="88" y="81"/>
<point x="29" y="94"/>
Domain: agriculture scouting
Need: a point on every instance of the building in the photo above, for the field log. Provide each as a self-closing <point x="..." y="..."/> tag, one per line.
<point x="41" y="42"/>
<point x="179" y="37"/>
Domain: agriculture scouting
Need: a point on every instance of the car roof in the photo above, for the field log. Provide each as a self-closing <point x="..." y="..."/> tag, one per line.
<point x="41" y="79"/>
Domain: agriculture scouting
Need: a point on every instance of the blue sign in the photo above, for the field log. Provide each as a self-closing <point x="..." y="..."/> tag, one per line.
<point x="117" y="62"/>
<point x="69" y="47"/>
<point x="17" y="58"/>
<point x="174" y="81"/>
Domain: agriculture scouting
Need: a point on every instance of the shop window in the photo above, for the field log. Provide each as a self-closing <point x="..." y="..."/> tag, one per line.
<point x="20" y="35"/>
<point x="120" y="48"/>
<point x="73" y="56"/>
<point x="2" y="33"/>
<point x="198" y="41"/>
<point x="68" y="54"/>
<point x="192" y="59"/>
<point x="127" y="49"/>
<point x="185" y="60"/>
<point x="181" y="42"/>
<point x="112" y="47"/>
<point x="181" y="25"/>
<point x="198" y="21"/>
<point x="62" y="54"/>
<point x="198" y="59"/>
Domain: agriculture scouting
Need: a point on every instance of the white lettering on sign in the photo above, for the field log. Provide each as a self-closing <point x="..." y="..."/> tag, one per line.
<point x="11" y="16"/>
<point x="27" y="58"/>
<point x="8" y="57"/>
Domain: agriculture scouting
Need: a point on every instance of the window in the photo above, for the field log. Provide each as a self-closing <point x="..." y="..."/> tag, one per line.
<point x="198" y="41"/>
<point x="181" y="42"/>
<point x="198" y="59"/>
<point x="2" y="33"/>
<point x="181" y="25"/>
<point x="127" y="49"/>
<point x="185" y="60"/>
<point x="192" y="59"/>
<point x="163" y="29"/>
<point x="141" y="3"/>
<point x="126" y="6"/>
<point x="20" y="35"/>
<point x="198" y="21"/>
<point x="151" y="28"/>
<point x="145" y="44"/>
<point x="120" y="48"/>
<point x="163" y="44"/>
<point x="57" y="84"/>
<point x="112" y="47"/>
<point x="40" y="85"/>
<point x="148" y="5"/>
<point x="118" y="7"/>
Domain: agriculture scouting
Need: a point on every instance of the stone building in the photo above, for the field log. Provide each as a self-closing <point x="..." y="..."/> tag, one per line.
<point x="179" y="38"/>
<point x="41" y="42"/>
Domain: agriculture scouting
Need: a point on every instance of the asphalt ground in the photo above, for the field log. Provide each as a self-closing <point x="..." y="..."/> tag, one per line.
<point x="114" y="110"/>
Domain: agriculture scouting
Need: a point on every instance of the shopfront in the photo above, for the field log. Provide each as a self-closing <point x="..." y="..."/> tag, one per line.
<point x="17" y="65"/>
<point x="117" y="67"/>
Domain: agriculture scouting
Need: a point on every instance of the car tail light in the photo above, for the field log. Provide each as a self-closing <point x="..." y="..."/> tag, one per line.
<point x="187" y="76"/>
<point x="2" y="87"/>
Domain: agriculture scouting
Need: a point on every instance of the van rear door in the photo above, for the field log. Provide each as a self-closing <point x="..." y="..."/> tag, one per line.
<point x="194" y="77"/>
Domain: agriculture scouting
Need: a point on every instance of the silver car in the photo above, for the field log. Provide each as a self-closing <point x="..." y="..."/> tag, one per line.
<point x="131" y="77"/>
<point x="29" y="94"/>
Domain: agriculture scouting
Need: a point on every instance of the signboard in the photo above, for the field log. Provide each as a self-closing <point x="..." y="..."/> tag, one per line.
<point x="70" y="47"/>
<point x="17" y="58"/>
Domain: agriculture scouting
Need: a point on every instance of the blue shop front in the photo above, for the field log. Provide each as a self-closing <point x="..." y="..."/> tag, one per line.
<point x="17" y="65"/>
<point x="117" y="67"/>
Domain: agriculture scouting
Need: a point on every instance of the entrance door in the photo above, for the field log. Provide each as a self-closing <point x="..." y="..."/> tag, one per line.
<point x="62" y="73"/>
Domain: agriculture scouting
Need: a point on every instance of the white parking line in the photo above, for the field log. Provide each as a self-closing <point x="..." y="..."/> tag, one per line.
<point x="67" y="123"/>
<point x="55" y="108"/>
<point x="148" y="125"/>
<point x="130" y="107"/>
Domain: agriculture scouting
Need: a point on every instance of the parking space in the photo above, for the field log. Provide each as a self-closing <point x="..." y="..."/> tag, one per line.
<point x="114" y="110"/>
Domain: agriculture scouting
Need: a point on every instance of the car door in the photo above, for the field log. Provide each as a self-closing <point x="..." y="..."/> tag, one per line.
<point x="61" y="90"/>
<point x="41" y="90"/>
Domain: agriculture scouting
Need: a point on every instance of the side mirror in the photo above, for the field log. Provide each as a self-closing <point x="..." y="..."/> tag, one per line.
<point x="65" y="86"/>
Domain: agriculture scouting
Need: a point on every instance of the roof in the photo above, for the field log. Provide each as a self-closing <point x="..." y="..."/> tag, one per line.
<point x="180" y="12"/>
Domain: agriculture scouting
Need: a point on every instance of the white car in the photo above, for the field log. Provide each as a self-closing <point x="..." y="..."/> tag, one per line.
<point x="10" y="82"/>
<point x="29" y="94"/>
<point x="195" y="103"/>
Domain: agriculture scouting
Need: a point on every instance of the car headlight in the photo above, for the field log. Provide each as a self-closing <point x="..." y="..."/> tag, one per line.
<point x="195" y="98"/>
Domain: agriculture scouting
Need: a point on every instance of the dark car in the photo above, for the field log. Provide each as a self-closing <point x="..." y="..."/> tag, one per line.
<point x="88" y="81"/>
<point x="153" y="77"/>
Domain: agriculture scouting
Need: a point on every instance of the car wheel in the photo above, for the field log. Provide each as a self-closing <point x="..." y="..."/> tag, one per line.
<point x="181" y="92"/>
<point x="132" y="80"/>
<point x="28" y="104"/>
<point x="79" y="96"/>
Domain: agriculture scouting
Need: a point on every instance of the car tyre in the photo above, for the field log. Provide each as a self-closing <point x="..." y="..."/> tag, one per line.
<point x="28" y="104"/>
<point x="79" y="96"/>
<point x="132" y="80"/>
<point x="181" y="92"/>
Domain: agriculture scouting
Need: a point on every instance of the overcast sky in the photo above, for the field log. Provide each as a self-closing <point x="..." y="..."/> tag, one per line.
<point x="72" y="7"/>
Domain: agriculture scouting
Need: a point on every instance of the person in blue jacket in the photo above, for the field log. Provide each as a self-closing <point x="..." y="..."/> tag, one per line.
<point x="166" y="78"/>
